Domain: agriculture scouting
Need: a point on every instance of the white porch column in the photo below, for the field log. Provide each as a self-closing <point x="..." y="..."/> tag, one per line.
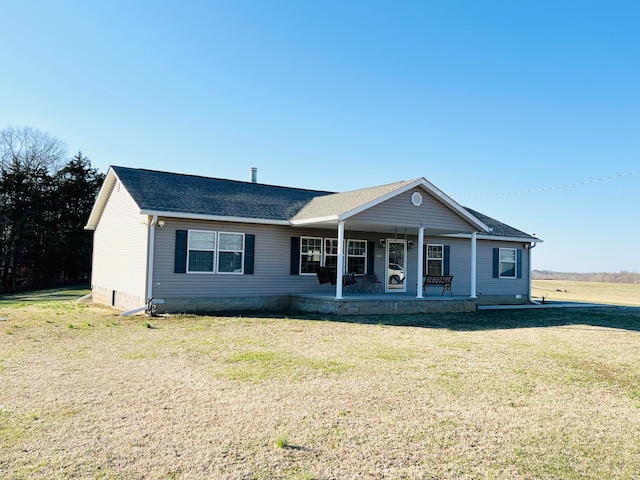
<point x="473" y="265"/>
<point x="340" y="267"/>
<point x="420" y="261"/>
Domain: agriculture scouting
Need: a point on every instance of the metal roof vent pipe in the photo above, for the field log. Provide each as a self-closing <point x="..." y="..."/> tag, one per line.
<point x="254" y="175"/>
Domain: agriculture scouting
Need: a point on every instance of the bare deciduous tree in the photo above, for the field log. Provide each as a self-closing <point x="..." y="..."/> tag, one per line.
<point x="28" y="158"/>
<point x="31" y="149"/>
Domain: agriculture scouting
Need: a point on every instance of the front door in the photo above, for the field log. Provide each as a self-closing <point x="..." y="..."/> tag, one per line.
<point x="396" y="265"/>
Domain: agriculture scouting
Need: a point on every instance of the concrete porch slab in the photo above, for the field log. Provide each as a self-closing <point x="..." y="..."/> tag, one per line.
<point x="380" y="304"/>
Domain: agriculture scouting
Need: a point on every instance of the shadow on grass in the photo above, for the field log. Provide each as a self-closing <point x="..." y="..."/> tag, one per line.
<point x="623" y="318"/>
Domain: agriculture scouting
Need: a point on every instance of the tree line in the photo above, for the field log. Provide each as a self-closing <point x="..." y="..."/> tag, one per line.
<point x="603" y="277"/>
<point x="45" y="201"/>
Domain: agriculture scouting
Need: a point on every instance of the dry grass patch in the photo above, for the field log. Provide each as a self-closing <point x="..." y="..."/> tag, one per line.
<point x="536" y="394"/>
<point x="591" y="292"/>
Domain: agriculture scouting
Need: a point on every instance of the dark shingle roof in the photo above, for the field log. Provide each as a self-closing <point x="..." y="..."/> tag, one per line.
<point x="498" y="229"/>
<point x="172" y="192"/>
<point x="190" y="194"/>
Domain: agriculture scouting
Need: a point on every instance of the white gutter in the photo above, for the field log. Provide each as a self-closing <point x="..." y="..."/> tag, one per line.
<point x="214" y="218"/>
<point x="481" y="236"/>
<point x="152" y="237"/>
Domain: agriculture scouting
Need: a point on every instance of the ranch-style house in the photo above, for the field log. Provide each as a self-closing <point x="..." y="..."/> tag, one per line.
<point x="180" y="243"/>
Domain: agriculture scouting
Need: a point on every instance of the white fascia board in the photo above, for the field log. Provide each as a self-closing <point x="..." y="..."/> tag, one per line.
<point x="481" y="236"/>
<point x="214" y="218"/>
<point x="432" y="189"/>
<point x="308" y="221"/>
<point x="379" y="200"/>
<point x="101" y="200"/>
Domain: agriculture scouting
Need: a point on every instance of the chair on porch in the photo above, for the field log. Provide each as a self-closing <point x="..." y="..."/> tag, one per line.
<point x="350" y="283"/>
<point x="372" y="283"/>
<point x="325" y="276"/>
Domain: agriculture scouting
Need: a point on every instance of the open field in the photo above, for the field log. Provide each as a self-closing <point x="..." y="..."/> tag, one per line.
<point x="509" y="394"/>
<point x="592" y="292"/>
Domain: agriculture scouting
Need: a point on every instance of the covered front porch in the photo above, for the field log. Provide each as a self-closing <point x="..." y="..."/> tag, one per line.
<point x="380" y="303"/>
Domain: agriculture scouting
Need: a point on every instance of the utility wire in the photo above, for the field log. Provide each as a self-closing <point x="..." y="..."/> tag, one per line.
<point x="555" y="187"/>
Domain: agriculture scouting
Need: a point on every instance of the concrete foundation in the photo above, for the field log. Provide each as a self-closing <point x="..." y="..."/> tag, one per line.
<point x="367" y="304"/>
<point x="228" y="304"/>
<point x="381" y="305"/>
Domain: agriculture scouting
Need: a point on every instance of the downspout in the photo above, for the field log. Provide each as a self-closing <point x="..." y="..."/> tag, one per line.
<point x="531" y="247"/>
<point x="149" y="289"/>
<point x="152" y="238"/>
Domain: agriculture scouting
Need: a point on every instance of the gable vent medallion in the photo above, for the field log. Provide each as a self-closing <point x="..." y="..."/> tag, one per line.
<point x="416" y="199"/>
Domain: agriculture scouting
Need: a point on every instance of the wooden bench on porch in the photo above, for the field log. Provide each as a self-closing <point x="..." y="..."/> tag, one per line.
<point x="444" y="280"/>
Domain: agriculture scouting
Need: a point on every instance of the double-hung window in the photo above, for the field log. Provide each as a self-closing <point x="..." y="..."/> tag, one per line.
<point x="316" y="252"/>
<point x="331" y="253"/>
<point x="230" y="252"/>
<point x="507" y="266"/>
<point x="201" y="251"/>
<point x="310" y="254"/>
<point x="435" y="259"/>
<point x="214" y="252"/>
<point x="356" y="256"/>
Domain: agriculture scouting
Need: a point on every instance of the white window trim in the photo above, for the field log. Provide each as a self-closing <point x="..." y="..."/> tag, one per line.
<point x="515" y="263"/>
<point x="346" y="263"/>
<point x="215" y="260"/>
<point x="441" y="259"/>
<point x="324" y="255"/>
<point x="301" y="254"/>
<point x="218" y="251"/>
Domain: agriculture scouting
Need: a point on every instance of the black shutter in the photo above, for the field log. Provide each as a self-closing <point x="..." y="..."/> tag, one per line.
<point x="371" y="257"/>
<point x="519" y="264"/>
<point x="447" y="254"/>
<point x="180" y="262"/>
<point x="496" y="262"/>
<point x="249" y="250"/>
<point x="295" y="256"/>
<point x="425" y="272"/>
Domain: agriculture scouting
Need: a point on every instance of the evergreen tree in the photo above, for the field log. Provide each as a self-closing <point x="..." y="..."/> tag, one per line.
<point x="43" y="210"/>
<point x="76" y="187"/>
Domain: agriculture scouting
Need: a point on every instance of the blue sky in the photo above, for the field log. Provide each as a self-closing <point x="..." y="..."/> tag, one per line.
<point x="494" y="102"/>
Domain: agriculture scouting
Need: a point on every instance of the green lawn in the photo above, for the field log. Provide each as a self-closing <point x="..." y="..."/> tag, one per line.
<point x="509" y="394"/>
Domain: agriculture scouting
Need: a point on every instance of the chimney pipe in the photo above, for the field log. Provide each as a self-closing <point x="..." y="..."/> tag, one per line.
<point x="254" y="175"/>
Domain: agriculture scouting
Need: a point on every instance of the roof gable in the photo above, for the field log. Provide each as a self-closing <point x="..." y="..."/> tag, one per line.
<point x="189" y="196"/>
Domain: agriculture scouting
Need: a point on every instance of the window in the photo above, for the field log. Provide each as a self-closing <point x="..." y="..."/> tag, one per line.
<point x="201" y="251"/>
<point x="331" y="253"/>
<point x="507" y="267"/>
<point x="356" y="256"/>
<point x="310" y="254"/>
<point x="435" y="260"/>
<point x="316" y="252"/>
<point x="230" y="252"/>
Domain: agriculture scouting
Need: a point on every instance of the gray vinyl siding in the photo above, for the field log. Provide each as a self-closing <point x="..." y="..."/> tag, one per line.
<point x="432" y="214"/>
<point x="489" y="286"/>
<point x="272" y="262"/>
<point x="120" y="252"/>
